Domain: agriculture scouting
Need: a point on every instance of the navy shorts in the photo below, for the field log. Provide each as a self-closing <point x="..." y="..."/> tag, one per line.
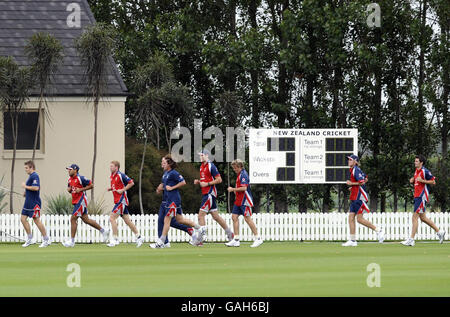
<point x="80" y="208"/>
<point x="209" y="203"/>
<point x="358" y="207"/>
<point x="172" y="209"/>
<point x="419" y="205"/>
<point x="242" y="210"/>
<point x="120" y="208"/>
<point x="32" y="213"/>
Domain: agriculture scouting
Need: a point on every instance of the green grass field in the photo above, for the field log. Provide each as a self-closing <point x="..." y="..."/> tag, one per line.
<point x="274" y="269"/>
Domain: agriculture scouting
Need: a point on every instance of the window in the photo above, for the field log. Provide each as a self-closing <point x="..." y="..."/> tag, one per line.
<point x="26" y="131"/>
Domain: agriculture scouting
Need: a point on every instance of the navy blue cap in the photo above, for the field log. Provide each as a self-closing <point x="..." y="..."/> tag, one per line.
<point x="73" y="167"/>
<point x="353" y="157"/>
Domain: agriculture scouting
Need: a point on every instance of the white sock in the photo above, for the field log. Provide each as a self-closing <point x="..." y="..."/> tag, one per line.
<point x="236" y="237"/>
<point x="352" y="237"/>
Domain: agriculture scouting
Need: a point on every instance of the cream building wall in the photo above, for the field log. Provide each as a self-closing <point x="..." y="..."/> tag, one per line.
<point x="67" y="139"/>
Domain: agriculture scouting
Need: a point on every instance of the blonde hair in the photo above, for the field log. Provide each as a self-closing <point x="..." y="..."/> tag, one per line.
<point x="238" y="163"/>
<point x="116" y="163"/>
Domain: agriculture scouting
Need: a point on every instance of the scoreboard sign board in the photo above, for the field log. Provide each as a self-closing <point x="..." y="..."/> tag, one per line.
<point x="306" y="156"/>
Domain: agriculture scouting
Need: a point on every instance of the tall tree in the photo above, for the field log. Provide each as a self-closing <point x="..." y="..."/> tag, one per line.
<point x="96" y="47"/>
<point x="45" y="53"/>
<point x="159" y="99"/>
<point x="15" y="86"/>
<point x="399" y="69"/>
<point x="147" y="107"/>
<point x="437" y="90"/>
<point x="277" y="11"/>
<point x="305" y="64"/>
<point x="366" y="83"/>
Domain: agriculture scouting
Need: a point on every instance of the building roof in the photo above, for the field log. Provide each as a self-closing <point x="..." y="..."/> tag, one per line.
<point x="20" y="19"/>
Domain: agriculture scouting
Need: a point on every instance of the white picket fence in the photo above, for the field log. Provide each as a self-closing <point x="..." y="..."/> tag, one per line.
<point x="273" y="227"/>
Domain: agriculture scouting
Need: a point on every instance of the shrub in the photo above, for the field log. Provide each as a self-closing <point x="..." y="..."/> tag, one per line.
<point x="3" y="194"/>
<point x="60" y="204"/>
<point x="96" y="207"/>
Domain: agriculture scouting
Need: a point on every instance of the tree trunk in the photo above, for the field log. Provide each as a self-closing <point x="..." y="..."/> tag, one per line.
<point x="421" y="112"/>
<point x="233" y="18"/>
<point x="383" y="202"/>
<point x="280" y="199"/>
<point x="169" y="143"/>
<point x="339" y="198"/>
<point x="326" y="199"/>
<point x="395" y="194"/>
<point x="346" y="194"/>
<point x="376" y="118"/>
<point x="36" y="135"/>
<point x="157" y="137"/>
<point x="141" y="206"/>
<point x="279" y="191"/>
<point x="256" y="201"/>
<point x="373" y="205"/>
<point x="96" y="101"/>
<point x="398" y="139"/>
<point x="167" y="134"/>
<point x="252" y="10"/>
<point x="302" y="200"/>
<point x="445" y="128"/>
<point x="14" y="126"/>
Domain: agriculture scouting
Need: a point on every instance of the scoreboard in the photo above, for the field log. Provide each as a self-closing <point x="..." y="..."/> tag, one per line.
<point x="306" y="156"/>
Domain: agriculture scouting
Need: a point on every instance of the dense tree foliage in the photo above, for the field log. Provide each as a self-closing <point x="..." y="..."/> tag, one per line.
<point x="305" y="64"/>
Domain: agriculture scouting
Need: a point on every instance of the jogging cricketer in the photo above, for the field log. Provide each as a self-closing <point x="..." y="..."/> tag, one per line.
<point x="209" y="178"/>
<point x="162" y="214"/>
<point x="242" y="205"/>
<point x="120" y="183"/>
<point x="171" y="205"/>
<point x="32" y="206"/>
<point x="422" y="177"/>
<point x="358" y="202"/>
<point x="77" y="185"/>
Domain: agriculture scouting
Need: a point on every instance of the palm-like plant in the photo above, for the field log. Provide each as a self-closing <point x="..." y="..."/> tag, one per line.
<point x="3" y="194"/>
<point x="44" y="52"/>
<point x="148" y="113"/>
<point x="177" y="105"/>
<point x="15" y="86"/>
<point x="95" y="47"/>
<point x="60" y="204"/>
<point x="159" y="99"/>
<point x="97" y="207"/>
